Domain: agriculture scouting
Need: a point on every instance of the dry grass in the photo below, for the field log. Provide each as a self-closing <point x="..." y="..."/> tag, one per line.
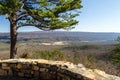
<point x="92" y="56"/>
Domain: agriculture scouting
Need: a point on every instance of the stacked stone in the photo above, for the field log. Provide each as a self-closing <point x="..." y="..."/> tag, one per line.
<point x="39" y="69"/>
<point x="36" y="70"/>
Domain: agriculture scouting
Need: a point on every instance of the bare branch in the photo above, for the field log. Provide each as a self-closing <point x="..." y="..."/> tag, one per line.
<point x="25" y="25"/>
<point x="45" y="28"/>
<point x="23" y="17"/>
<point x="23" y="3"/>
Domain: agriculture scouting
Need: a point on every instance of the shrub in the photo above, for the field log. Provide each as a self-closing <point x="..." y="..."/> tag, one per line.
<point x="76" y="57"/>
<point x="90" y="62"/>
<point x="50" y="55"/>
<point x="24" y="55"/>
<point x="116" y="53"/>
<point x="116" y="58"/>
<point x="89" y="47"/>
<point x="83" y="47"/>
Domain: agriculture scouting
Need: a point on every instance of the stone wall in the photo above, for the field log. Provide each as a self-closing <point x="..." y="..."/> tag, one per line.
<point x="39" y="69"/>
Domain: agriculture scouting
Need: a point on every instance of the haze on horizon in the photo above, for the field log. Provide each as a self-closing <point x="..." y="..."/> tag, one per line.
<point x="95" y="16"/>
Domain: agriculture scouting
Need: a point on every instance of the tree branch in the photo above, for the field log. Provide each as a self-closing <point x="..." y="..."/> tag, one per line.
<point x="23" y="17"/>
<point x="45" y="28"/>
<point x="25" y="25"/>
<point x="23" y="3"/>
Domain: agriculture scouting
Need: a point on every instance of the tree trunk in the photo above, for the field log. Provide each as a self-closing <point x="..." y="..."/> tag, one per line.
<point x="13" y="39"/>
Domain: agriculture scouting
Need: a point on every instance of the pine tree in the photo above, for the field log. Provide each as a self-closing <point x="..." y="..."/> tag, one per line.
<point x="43" y="14"/>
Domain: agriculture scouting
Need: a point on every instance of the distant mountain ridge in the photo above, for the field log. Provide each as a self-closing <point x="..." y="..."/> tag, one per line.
<point x="64" y="36"/>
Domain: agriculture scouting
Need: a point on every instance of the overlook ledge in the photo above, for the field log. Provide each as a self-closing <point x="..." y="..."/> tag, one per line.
<point x="35" y="69"/>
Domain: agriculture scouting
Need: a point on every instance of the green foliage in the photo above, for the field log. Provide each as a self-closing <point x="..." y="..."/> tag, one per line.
<point x="49" y="55"/>
<point x="8" y="6"/>
<point x="43" y="14"/>
<point x="83" y="47"/>
<point x="116" y="58"/>
<point x="25" y="55"/>
<point x="118" y="39"/>
<point x="89" y="47"/>
<point x="76" y="57"/>
<point x="90" y="61"/>
<point x="116" y="53"/>
<point x="117" y="48"/>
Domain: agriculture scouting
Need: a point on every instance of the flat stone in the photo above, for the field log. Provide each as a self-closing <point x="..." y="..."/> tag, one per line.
<point x="35" y="68"/>
<point x="19" y="66"/>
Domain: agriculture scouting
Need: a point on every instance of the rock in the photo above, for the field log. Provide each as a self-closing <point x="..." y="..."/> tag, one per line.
<point x="80" y="65"/>
<point x="46" y="69"/>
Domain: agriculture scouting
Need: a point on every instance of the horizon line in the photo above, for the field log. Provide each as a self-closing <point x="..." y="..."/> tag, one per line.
<point x="62" y="31"/>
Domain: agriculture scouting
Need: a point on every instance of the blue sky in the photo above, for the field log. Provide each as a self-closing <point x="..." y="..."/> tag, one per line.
<point x="95" y="16"/>
<point x="99" y="16"/>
